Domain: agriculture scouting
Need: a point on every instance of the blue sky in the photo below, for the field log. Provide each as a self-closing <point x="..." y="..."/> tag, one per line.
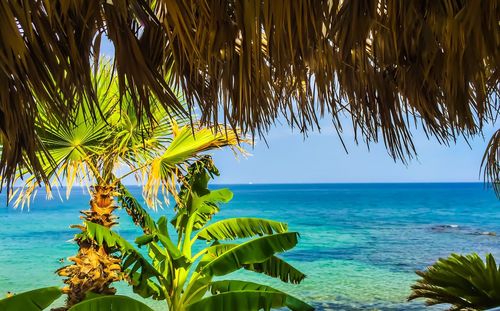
<point x="320" y="158"/>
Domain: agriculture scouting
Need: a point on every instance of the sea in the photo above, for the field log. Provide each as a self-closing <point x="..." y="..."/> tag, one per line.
<point x="360" y="244"/>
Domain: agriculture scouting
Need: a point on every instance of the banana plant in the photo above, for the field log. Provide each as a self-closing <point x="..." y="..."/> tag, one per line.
<point x="464" y="282"/>
<point x="95" y="152"/>
<point x="182" y="274"/>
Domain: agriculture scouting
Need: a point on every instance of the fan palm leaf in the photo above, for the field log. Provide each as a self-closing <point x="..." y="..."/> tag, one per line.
<point x="187" y="143"/>
<point x="248" y="300"/>
<point x="277" y="268"/>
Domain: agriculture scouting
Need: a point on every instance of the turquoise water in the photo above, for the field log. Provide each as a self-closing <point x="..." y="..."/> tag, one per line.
<point x="360" y="243"/>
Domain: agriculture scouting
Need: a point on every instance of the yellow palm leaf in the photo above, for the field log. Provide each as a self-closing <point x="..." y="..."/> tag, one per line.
<point x="187" y="144"/>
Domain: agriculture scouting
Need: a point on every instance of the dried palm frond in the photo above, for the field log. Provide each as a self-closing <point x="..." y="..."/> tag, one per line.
<point x="491" y="162"/>
<point x="388" y="64"/>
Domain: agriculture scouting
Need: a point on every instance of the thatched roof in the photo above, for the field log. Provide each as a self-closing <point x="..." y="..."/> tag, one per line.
<point x="386" y="63"/>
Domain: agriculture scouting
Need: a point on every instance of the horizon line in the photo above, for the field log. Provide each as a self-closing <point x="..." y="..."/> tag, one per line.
<point x="314" y="183"/>
<point x="342" y="183"/>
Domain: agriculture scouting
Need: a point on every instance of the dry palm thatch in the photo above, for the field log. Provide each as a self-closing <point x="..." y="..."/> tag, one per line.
<point x="491" y="162"/>
<point x="386" y="63"/>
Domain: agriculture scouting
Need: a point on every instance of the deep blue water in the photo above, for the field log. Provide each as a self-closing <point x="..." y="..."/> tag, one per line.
<point x="360" y="243"/>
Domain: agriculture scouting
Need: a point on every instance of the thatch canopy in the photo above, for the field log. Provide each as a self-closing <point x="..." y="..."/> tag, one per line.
<point x="385" y="63"/>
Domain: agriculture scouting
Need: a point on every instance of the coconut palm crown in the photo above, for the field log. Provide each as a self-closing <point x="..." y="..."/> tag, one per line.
<point x="386" y="64"/>
<point x="98" y="153"/>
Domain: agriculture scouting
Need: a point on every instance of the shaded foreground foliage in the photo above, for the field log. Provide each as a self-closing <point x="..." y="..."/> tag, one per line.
<point x="465" y="282"/>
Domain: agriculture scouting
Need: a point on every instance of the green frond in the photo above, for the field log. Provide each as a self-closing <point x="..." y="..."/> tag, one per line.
<point x="195" y="201"/>
<point x="234" y="285"/>
<point x="140" y="271"/>
<point x="116" y="302"/>
<point x="277" y="268"/>
<point x="175" y="255"/>
<point x="35" y="300"/>
<point x="87" y="150"/>
<point x="202" y="208"/>
<point x="172" y="275"/>
<point x="247" y="296"/>
<point x="212" y="252"/>
<point x="236" y="228"/>
<point x="139" y="215"/>
<point x="465" y="282"/>
<point x="250" y="252"/>
<point x="248" y="300"/>
<point x="153" y="231"/>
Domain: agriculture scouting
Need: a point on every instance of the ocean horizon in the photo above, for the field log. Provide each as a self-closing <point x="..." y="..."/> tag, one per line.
<point x="360" y="244"/>
<point x="486" y="185"/>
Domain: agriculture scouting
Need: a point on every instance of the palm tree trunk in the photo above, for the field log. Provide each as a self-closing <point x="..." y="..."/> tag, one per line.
<point x="94" y="268"/>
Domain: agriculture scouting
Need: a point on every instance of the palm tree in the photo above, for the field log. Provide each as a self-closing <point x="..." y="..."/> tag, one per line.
<point x="464" y="282"/>
<point x="185" y="278"/>
<point x="388" y="64"/>
<point x="182" y="274"/>
<point x="94" y="152"/>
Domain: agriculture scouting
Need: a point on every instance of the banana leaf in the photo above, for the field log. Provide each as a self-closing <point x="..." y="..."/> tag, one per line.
<point x="236" y="285"/>
<point x="35" y="300"/>
<point x="247" y="296"/>
<point x="122" y="303"/>
<point x="277" y="268"/>
<point x="253" y="251"/>
<point x="201" y="207"/>
<point x="234" y="228"/>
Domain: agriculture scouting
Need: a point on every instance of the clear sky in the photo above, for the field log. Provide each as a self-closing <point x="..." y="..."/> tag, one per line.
<point x="320" y="158"/>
